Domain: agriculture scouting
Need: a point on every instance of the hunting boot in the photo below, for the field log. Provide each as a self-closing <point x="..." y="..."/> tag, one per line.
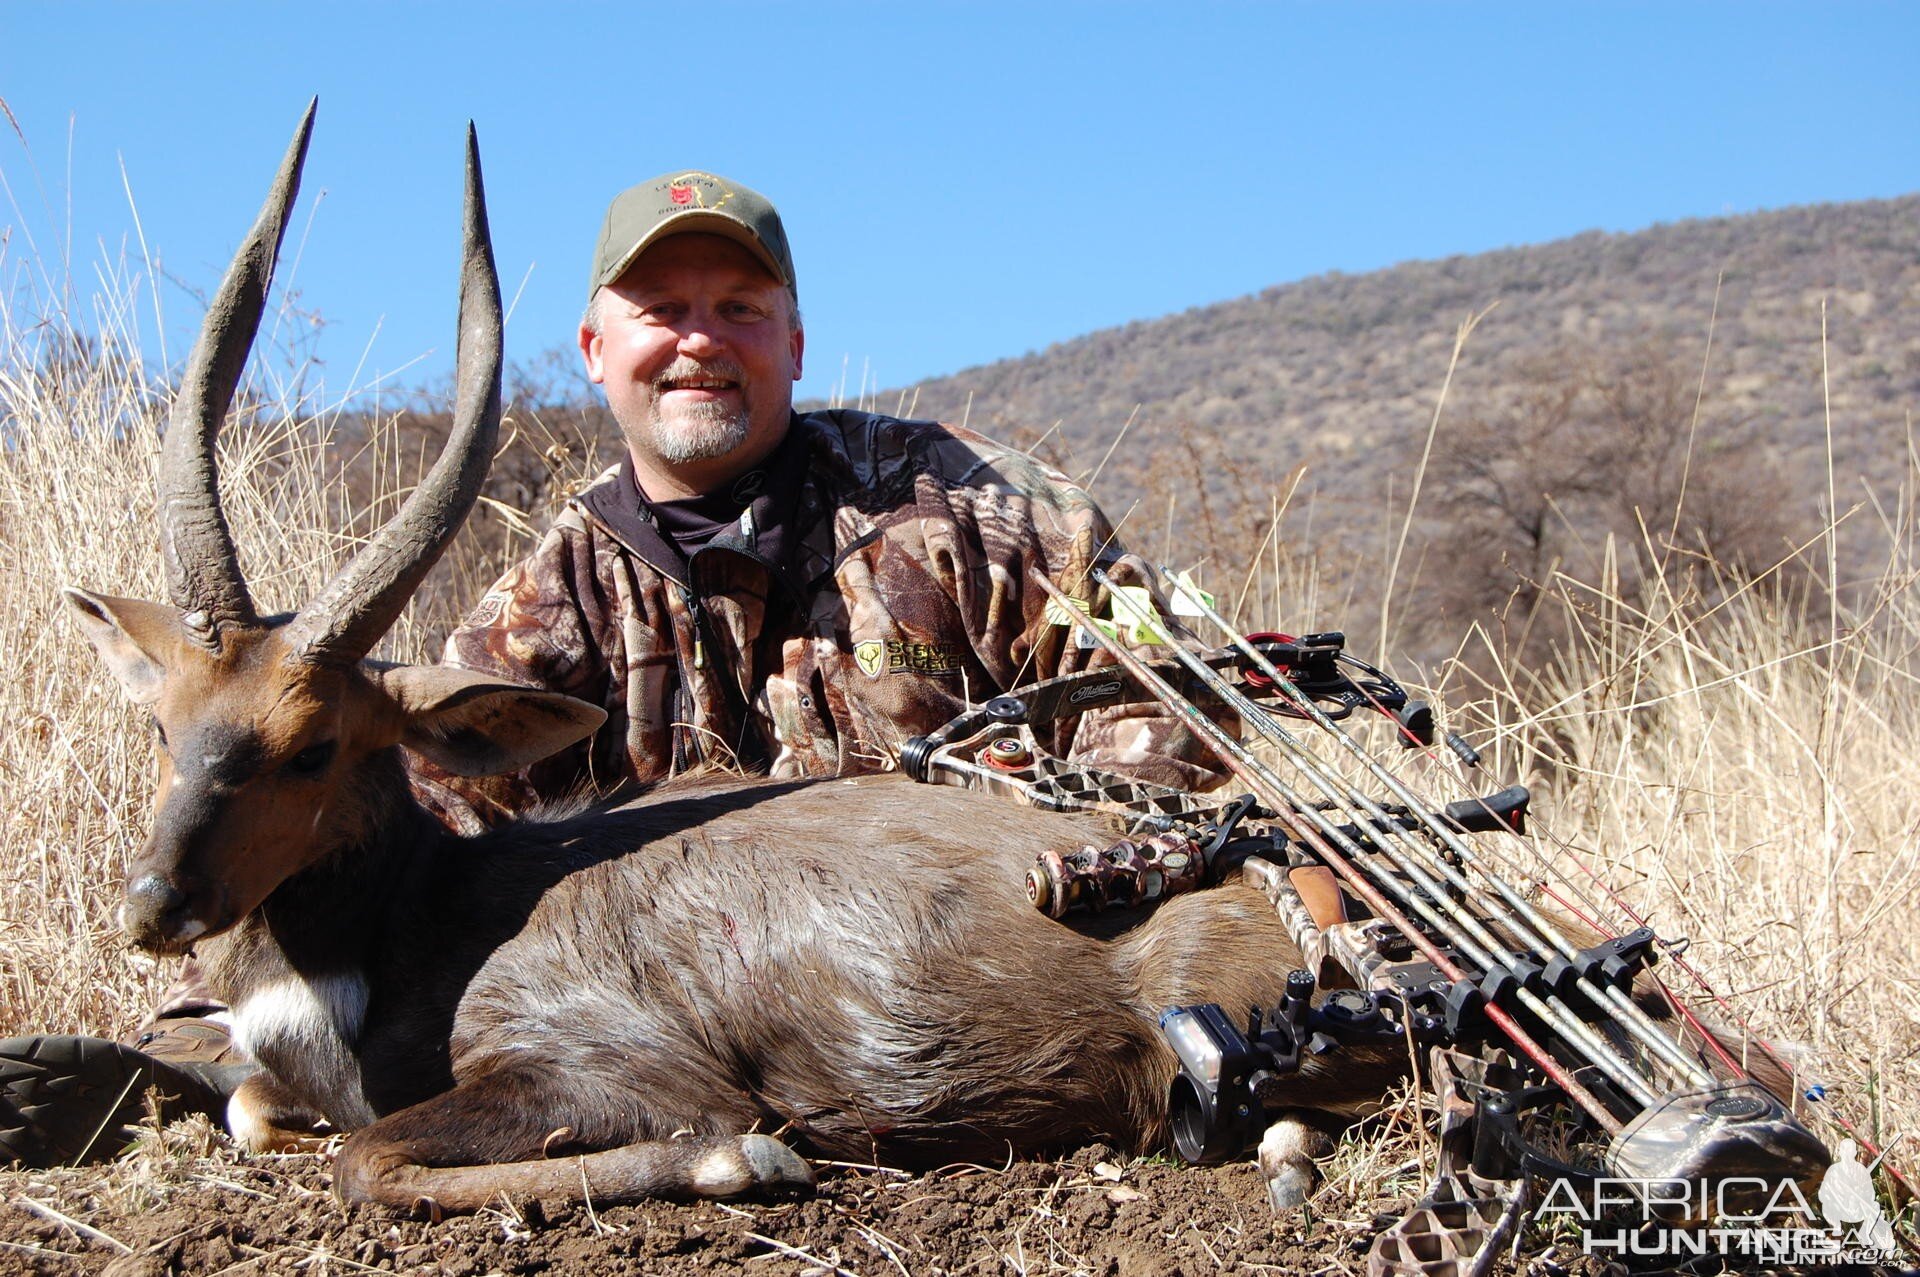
<point x="66" y="1100"/>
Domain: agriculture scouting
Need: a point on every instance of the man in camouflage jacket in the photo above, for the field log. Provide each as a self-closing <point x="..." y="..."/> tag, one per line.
<point x="874" y="581"/>
<point x="795" y="593"/>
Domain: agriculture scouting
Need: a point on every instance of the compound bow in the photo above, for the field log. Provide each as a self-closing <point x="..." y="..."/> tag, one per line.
<point x="1446" y="953"/>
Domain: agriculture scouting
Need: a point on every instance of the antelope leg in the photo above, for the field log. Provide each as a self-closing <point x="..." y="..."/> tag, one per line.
<point x="372" y="1169"/>
<point x="265" y="1117"/>
<point x="487" y="1137"/>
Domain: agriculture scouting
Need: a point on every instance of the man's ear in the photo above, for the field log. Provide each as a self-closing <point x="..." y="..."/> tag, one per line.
<point x="131" y="637"/>
<point x="590" y="347"/>
<point x="799" y="340"/>
<point x="475" y="725"/>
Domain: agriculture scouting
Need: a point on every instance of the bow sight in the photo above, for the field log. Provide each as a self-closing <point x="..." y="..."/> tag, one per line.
<point x="1410" y="933"/>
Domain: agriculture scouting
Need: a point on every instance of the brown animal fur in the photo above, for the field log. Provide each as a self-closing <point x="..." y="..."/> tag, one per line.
<point x="828" y="959"/>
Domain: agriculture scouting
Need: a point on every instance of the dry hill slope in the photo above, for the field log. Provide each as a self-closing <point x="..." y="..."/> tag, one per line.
<point x="1332" y="369"/>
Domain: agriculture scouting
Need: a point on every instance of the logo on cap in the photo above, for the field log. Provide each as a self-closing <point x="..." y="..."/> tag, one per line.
<point x="681" y="192"/>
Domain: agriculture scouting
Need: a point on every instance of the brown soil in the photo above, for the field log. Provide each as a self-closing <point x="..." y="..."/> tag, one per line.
<point x="1092" y="1213"/>
<point x="185" y="1204"/>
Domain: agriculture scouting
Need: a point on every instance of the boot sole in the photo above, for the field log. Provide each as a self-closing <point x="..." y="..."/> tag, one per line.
<point x="65" y="1100"/>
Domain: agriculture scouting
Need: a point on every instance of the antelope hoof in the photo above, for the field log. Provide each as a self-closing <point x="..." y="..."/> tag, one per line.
<point x="774" y="1169"/>
<point x="1286" y="1161"/>
<point x="1289" y="1185"/>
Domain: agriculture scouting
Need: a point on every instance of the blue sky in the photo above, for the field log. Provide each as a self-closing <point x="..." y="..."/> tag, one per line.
<point x="961" y="182"/>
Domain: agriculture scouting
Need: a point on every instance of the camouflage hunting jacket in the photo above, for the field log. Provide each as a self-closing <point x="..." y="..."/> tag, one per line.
<point x="875" y="585"/>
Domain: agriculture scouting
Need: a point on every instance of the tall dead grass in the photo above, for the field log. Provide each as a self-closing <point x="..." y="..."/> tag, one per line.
<point x="1732" y="763"/>
<point x="1738" y="766"/>
<point x="1741" y="771"/>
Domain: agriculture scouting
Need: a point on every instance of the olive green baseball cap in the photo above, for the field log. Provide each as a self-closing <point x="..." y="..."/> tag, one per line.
<point x="676" y="203"/>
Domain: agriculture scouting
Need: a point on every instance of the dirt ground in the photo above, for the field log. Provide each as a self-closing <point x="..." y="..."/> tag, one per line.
<point x="1092" y="1213"/>
<point x="185" y="1204"/>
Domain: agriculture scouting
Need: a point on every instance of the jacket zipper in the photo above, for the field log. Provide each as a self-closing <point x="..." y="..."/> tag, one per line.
<point x="687" y="748"/>
<point x="696" y="609"/>
<point x="738" y="699"/>
<point x="688" y="745"/>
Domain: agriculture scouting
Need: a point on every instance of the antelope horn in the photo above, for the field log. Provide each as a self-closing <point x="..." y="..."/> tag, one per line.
<point x="359" y="604"/>
<point x="203" y="571"/>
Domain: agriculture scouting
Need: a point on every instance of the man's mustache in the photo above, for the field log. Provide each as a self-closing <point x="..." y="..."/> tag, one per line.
<point x="694" y="370"/>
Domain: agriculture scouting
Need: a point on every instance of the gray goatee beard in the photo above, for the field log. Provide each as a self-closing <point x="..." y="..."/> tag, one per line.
<point x="702" y="431"/>
<point x="699" y="433"/>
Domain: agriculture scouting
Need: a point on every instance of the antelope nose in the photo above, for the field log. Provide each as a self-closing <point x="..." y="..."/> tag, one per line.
<point x="155" y="909"/>
<point x="151" y="893"/>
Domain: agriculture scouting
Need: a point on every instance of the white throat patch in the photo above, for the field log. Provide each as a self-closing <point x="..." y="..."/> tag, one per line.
<point x="300" y="1015"/>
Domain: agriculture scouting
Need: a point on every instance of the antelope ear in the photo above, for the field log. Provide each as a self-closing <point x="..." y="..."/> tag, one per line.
<point x="130" y="636"/>
<point x="475" y="725"/>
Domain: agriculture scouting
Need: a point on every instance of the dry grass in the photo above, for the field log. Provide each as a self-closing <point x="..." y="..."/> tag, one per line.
<point x="1742" y="771"/>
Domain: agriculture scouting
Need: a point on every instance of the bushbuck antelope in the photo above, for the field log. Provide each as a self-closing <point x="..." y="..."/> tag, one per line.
<point x="854" y="962"/>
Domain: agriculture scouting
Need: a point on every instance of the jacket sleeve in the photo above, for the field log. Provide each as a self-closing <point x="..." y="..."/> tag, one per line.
<point x="535" y="626"/>
<point x="1028" y="518"/>
<point x="1143" y="740"/>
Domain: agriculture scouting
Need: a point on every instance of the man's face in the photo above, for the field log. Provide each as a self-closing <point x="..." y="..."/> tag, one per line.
<point x="698" y="353"/>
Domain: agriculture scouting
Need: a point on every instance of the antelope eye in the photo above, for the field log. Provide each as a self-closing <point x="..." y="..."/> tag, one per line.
<point x="312" y="760"/>
<point x="159" y="732"/>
